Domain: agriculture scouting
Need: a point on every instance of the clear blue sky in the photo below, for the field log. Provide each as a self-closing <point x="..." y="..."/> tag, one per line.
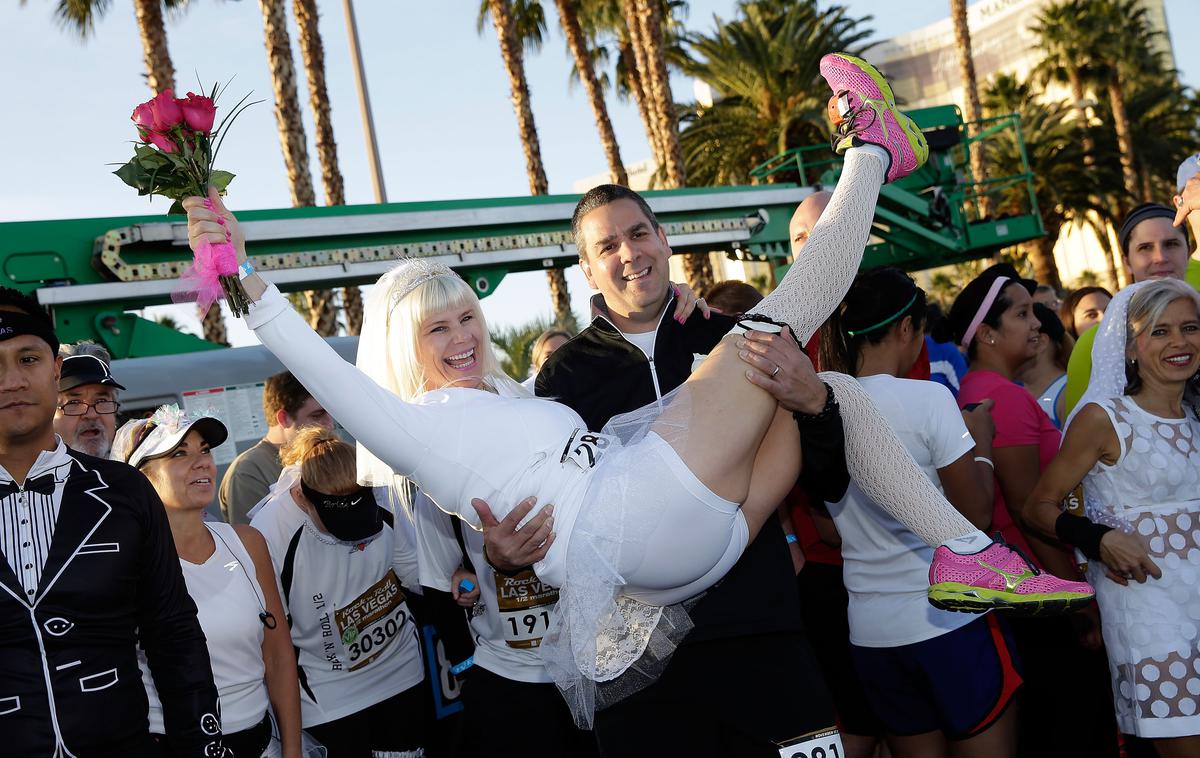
<point x="440" y="98"/>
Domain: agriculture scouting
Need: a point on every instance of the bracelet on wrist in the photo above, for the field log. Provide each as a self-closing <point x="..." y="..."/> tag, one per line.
<point x="497" y="569"/>
<point x="829" y="410"/>
<point x="988" y="461"/>
<point x="245" y="269"/>
<point x="458" y="668"/>
<point x="791" y="539"/>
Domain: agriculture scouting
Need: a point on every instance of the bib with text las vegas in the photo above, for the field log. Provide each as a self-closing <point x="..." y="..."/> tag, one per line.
<point x="371" y="622"/>
<point x="825" y="743"/>
<point x="526" y="607"/>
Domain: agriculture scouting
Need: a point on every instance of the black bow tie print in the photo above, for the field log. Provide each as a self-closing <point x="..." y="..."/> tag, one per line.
<point x="43" y="485"/>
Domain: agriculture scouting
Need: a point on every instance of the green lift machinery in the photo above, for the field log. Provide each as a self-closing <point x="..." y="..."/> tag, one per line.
<point x="931" y="217"/>
<point x="92" y="272"/>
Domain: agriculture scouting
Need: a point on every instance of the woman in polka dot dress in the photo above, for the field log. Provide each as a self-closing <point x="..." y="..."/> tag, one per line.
<point x="1136" y="437"/>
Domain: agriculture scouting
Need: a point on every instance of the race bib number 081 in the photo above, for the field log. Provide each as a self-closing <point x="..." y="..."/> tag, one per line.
<point x="826" y="743"/>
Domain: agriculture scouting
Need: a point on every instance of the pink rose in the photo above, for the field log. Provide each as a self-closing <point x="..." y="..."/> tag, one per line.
<point x="162" y="143"/>
<point x="198" y="112"/>
<point x="143" y="116"/>
<point x="166" y="112"/>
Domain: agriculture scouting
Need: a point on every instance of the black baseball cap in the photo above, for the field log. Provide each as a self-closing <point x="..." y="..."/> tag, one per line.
<point x="78" y="370"/>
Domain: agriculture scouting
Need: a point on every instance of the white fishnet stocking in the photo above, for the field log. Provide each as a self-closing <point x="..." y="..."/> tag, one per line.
<point x="813" y="287"/>
<point x="886" y="472"/>
<point x="825" y="269"/>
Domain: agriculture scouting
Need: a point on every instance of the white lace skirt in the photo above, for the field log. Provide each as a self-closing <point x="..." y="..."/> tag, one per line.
<point x="1152" y="630"/>
<point x="646" y="529"/>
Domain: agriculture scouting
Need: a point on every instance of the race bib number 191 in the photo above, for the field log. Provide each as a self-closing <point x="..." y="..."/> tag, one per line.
<point x="826" y="743"/>
<point x="526" y="607"/>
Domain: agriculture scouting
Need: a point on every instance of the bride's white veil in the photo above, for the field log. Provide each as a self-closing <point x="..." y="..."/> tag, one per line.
<point x="386" y="354"/>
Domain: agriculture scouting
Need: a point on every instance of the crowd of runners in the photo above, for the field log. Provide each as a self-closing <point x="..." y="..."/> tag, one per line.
<point x="832" y="521"/>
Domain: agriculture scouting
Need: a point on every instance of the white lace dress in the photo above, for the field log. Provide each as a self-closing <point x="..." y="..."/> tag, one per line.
<point x="1150" y="630"/>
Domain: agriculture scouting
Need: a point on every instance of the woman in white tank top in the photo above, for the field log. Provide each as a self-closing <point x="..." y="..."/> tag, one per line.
<point x="242" y="617"/>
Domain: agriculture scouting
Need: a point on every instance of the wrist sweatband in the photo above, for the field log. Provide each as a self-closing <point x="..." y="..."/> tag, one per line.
<point x="1082" y="533"/>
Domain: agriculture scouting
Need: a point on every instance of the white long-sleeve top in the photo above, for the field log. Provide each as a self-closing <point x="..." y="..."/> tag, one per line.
<point x="446" y="440"/>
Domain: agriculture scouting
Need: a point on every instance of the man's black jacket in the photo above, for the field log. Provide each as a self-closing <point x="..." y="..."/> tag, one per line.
<point x="69" y="675"/>
<point x="601" y="374"/>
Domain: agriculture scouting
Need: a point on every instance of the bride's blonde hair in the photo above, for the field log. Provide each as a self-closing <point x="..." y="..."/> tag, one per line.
<point x="389" y="344"/>
<point x="403" y="299"/>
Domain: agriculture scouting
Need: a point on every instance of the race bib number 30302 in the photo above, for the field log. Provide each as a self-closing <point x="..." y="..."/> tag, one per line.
<point x="826" y="743"/>
<point x="369" y="623"/>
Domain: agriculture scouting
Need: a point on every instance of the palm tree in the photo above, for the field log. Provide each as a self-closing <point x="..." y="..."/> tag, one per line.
<point x="966" y="68"/>
<point x="568" y="17"/>
<point x="521" y="23"/>
<point x="80" y="16"/>
<point x="312" y="50"/>
<point x="604" y="21"/>
<point x="645" y="19"/>
<point x="516" y="345"/>
<point x="769" y="97"/>
<point x="322" y="315"/>
<point x="1065" y="182"/>
<point x="1066" y="57"/>
<point x="1122" y="40"/>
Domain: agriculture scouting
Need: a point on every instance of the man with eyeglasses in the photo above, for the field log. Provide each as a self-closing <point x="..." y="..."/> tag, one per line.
<point x="86" y="416"/>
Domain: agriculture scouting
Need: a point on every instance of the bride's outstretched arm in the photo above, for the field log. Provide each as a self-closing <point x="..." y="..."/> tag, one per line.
<point x="369" y="412"/>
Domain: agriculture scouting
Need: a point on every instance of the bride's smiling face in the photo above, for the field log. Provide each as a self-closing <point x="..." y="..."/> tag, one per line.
<point x="450" y="348"/>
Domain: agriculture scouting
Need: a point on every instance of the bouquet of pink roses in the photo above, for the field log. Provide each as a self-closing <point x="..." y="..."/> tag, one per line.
<point x="174" y="158"/>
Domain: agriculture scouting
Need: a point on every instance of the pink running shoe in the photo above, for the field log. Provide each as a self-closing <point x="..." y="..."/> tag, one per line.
<point x="1000" y="578"/>
<point x="866" y="113"/>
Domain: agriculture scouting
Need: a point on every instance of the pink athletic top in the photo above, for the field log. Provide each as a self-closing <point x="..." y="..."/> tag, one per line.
<point x="1019" y="421"/>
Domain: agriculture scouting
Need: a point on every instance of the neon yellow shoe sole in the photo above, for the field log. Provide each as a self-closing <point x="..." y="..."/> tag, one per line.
<point x="964" y="598"/>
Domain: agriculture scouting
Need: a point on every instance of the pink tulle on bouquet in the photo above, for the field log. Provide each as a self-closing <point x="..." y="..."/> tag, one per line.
<point x="201" y="281"/>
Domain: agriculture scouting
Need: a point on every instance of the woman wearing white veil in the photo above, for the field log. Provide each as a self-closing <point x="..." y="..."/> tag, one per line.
<point x="1134" y="441"/>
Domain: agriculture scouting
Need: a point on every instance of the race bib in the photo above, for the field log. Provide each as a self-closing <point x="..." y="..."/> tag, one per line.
<point x="826" y="743"/>
<point x="370" y="622"/>
<point x="585" y="449"/>
<point x="526" y="607"/>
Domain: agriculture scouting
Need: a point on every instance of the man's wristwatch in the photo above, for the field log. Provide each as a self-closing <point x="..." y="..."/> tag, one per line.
<point x="829" y="410"/>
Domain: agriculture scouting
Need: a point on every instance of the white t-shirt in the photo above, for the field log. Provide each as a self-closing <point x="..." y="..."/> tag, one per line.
<point x="513" y="613"/>
<point x="643" y="340"/>
<point x="358" y="644"/>
<point x="886" y="568"/>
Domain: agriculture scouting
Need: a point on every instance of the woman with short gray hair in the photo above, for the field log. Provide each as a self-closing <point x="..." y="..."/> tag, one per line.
<point x="1135" y="443"/>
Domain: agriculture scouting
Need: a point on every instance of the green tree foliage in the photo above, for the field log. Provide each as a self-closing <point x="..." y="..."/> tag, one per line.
<point x="1067" y="179"/>
<point x="763" y="68"/>
<point x="515" y="344"/>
